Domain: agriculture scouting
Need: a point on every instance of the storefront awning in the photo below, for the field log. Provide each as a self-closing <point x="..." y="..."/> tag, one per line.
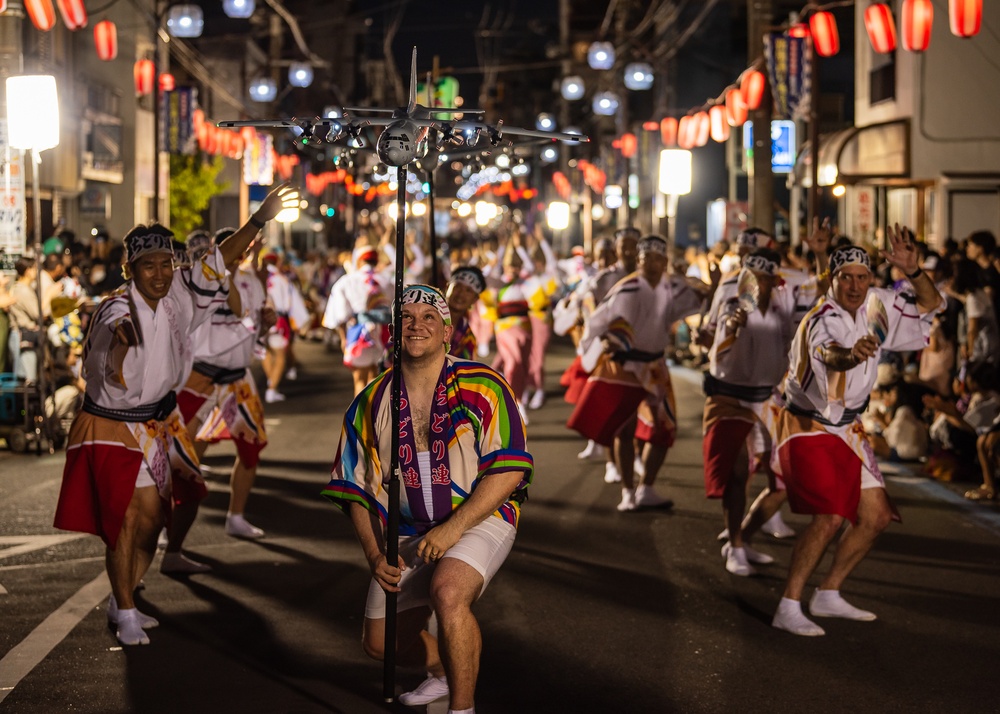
<point x="877" y="151"/>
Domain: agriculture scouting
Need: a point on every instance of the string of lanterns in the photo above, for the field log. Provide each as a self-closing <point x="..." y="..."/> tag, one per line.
<point x="730" y="109"/>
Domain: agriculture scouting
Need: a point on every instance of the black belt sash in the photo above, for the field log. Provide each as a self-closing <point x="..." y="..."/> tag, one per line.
<point x="848" y="416"/>
<point x="713" y="387"/>
<point x="157" y="411"/>
<point x="512" y="309"/>
<point x="219" y="375"/>
<point x="636" y="356"/>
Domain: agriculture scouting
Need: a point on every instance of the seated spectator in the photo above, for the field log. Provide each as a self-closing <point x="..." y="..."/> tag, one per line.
<point x="900" y="434"/>
<point x="954" y="429"/>
<point x="979" y="335"/>
<point x="937" y="360"/>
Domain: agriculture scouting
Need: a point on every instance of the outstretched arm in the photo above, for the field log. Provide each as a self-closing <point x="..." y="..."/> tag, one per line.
<point x="282" y="196"/>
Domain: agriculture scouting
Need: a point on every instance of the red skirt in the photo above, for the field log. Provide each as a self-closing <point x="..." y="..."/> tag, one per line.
<point x="822" y="475"/>
<point x="574" y="379"/>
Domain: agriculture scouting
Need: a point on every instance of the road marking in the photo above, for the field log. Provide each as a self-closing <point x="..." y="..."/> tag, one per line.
<point x="27" y="654"/>
<point x="26" y="544"/>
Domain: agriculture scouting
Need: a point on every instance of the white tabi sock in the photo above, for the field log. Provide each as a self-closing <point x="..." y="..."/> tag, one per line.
<point x="789" y="617"/>
<point x="829" y="603"/>
<point x="462" y="711"/>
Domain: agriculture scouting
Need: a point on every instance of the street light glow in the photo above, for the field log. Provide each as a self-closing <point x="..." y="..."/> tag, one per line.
<point x="675" y="172"/>
<point x="32" y="112"/>
<point x="572" y="88"/>
<point x="557" y="215"/>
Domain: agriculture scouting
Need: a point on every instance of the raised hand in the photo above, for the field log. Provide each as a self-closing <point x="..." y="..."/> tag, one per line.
<point x="903" y="250"/>
<point x="821" y="237"/>
<point x="281" y="196"/>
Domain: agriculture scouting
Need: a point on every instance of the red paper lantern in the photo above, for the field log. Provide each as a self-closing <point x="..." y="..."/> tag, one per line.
<point x="668" y="131"/>
<point x="718" y="126"/>
<point x="704" y="124"/>
<point x="42" y="14"/>
<point x="687" y="131"/>
<point x="881" y="28"/>
<point x="650" y="126"/>
<point x="144" y="73"/>
<point x="74" y="14"/>
<point x="736" y="108"/>
<point x="799" y="30"/>
<point x="826" y="40"/>
<point x="966" y="17"/>
<point x="629" y="144"/>
<point x="918" y="18"/>
<point x="106" y="40"/>
<point x="752" y="86"/>
<point x="167" y="82"/>
<point x="249" y="135"/>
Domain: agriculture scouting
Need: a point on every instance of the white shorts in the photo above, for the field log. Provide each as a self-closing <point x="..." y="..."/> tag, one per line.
<point x="144" y="477"/>
<point x="484" y="546"/>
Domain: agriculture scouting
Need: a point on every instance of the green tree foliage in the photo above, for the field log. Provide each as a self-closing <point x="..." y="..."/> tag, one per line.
<point x="193" y="183"/>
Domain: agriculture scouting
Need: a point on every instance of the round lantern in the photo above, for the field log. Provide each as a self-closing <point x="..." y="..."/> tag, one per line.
<point x="651" y="126"/>
<point x="687" y="131"/>
<point x="601" y="55"/>
<point x="144" y="73"/>
<point x="799" y="31"/>
<point x="42" y="14"/>
<point x="572" y="88"/>
<point x="240" y="9"/>
<point x="965" y="16"/>
<point x="629" y="144"/>
<point x="881" y="28"/>
<point x="300" y="74"/>
<point x="605" y="104"/>
<point x="106" y="40"/>
<point x="826" y="40"/>
<point x="704" y="127"/>
<point x="185" y="21"/>
<point x="918" y="17"/>
<point x="74" y="14"/>
<point x="263" y="89"/>
<point x="668" y="131"/>
<point x="638" y="76"/>
<point x="736" y="108"/>
<point x="167" y="82"/>
<point x="752" y="87"/>
<point x="718" y="125"/>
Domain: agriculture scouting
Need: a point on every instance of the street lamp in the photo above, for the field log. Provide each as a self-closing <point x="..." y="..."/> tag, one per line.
<point x="675" y="180"/>
<point x="33" y="125"/>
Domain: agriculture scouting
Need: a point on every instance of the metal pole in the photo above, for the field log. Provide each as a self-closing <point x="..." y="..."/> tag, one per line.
<point x="813" y="198"/>
<point x="432" y="230"/>
<point x="41" y="419"/>
<point x="392" y="518"/>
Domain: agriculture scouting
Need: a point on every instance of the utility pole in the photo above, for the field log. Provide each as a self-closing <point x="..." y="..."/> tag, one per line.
<point x="760" y="179"/>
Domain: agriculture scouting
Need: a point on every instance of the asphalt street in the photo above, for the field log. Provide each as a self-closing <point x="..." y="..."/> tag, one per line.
<point x="593" y="611"/>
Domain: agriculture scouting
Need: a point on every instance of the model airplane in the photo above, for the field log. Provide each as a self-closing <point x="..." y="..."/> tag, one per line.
<point x="408" y="133"/>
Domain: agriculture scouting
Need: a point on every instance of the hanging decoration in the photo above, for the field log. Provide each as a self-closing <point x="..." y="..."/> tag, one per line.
<point x="42" y="14"/>
<point x="601" y="55"/>
<point x="239" y="9"/>
<point x="881" y="28"/>
<point x="74" y="14"/>
<point x="167" y="82"/>
<point x="629" y="145"/>
<point x="718" y="123"/>
<point x="965" y="17"/>
<point x="704" y="125"/>
<point x="144" y="73"/>
<point x="752" y="87"/>
<point x="917" y="20"/>
<point x="572" y="88"/>
<point x="668" y="131"/>
<point x="687" y="132"/>
<point x="736" y="108"/>
<point x="106" y="40"/>
<point x="826" y="40"/>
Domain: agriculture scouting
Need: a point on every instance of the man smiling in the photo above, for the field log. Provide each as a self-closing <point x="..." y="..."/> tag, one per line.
<point x="822" y="451"/>
<point x="465" y="471"/>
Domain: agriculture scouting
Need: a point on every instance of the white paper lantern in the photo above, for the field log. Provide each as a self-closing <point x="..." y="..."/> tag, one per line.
<point x="638" y="76"/>
<point x="240" y="9"/>
<point x="572" y="88"/>
<point x="263" y="89"/>
<point x="185" y="21"/>
<point x="601" y="55"/>
<point x="606" y="104"/>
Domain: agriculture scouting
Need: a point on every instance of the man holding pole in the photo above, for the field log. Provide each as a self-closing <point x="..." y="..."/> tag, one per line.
<point x="464" y="471"/>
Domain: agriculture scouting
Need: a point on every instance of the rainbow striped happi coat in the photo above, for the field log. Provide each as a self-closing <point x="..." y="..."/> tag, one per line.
<point x="479" y="423"/>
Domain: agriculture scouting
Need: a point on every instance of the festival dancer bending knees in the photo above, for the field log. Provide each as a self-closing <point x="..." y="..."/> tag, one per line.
<point x="129" y="438"/>
<point x="822" y="452"/>
<point x="465" y="472"/>
<point x="629" y="393"/>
